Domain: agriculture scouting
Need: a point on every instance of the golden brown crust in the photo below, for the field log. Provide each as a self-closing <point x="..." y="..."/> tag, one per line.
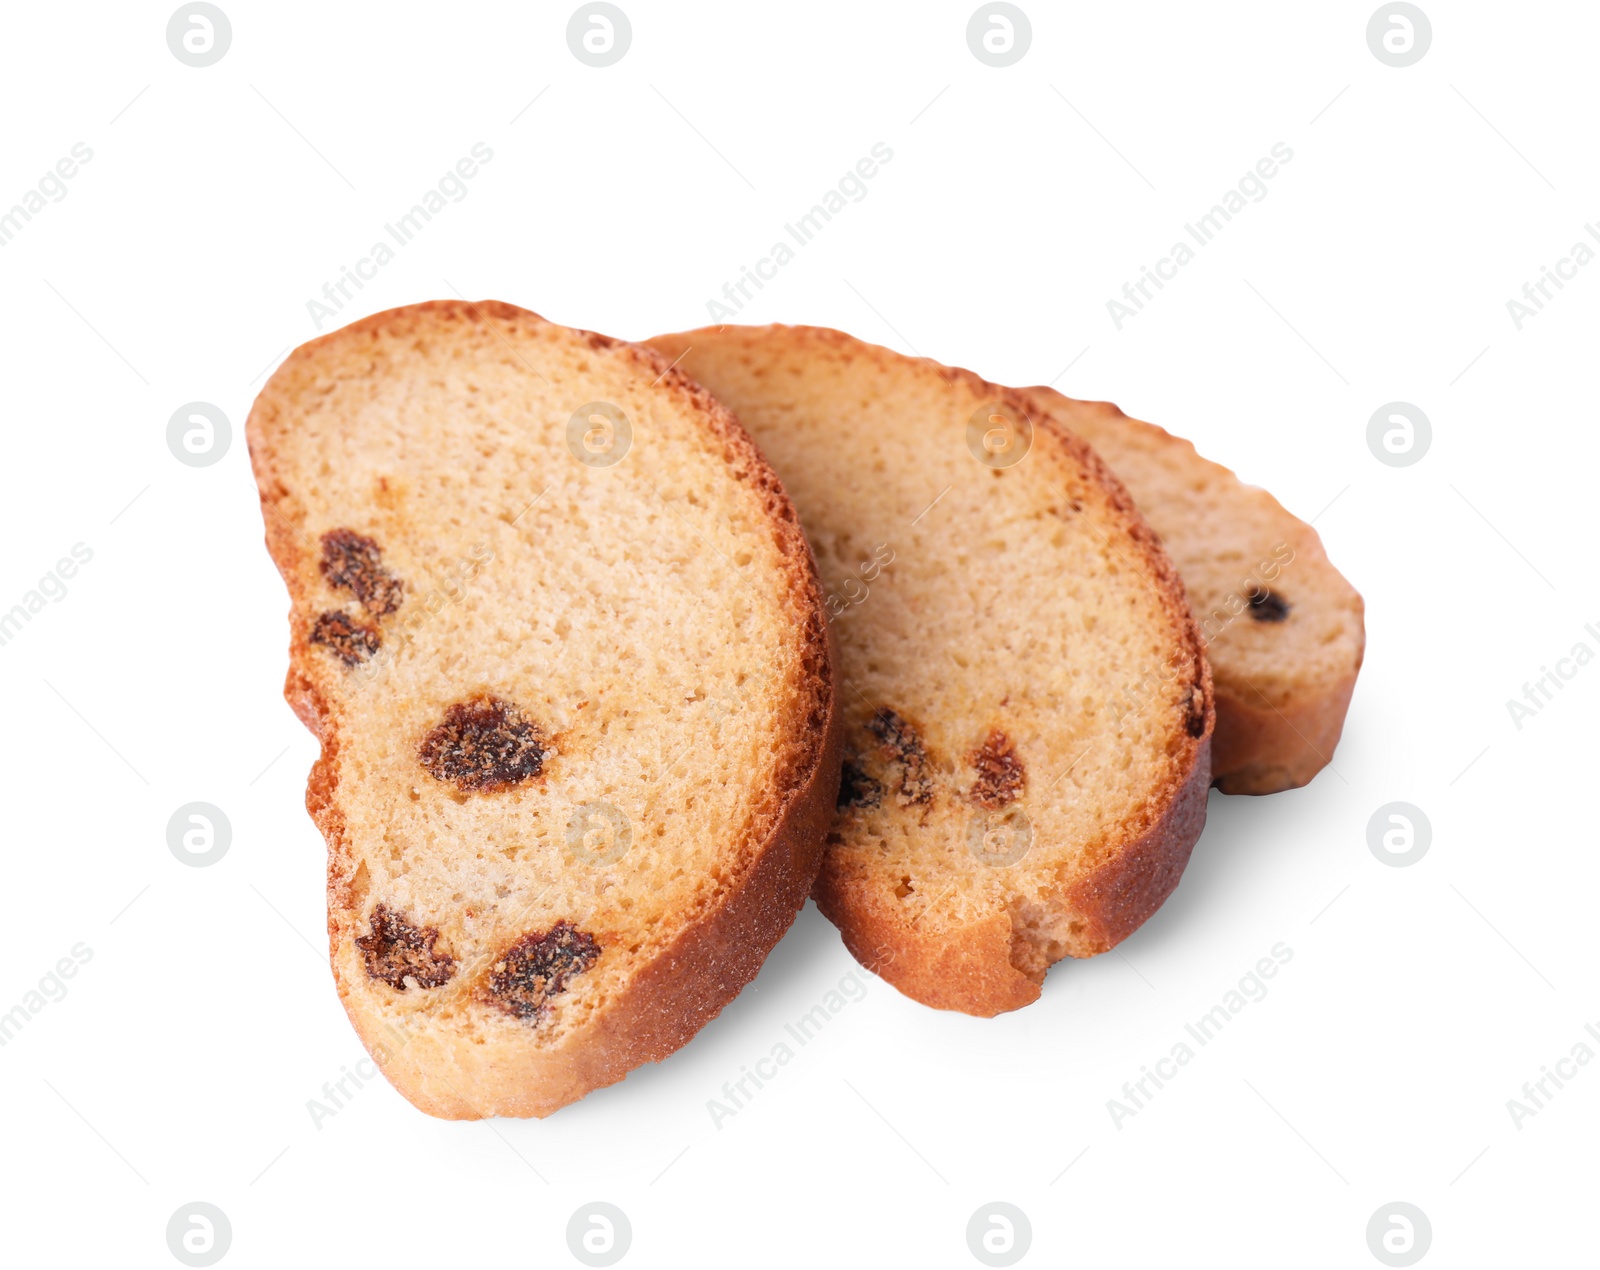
<point x="1120" y="896"/>
<point x="716" y="954"/>
<point x="983" y="966"/>
<point x="974" y="968"/>
<point x="968" y="968"/>
<point x="1265" y="749"/>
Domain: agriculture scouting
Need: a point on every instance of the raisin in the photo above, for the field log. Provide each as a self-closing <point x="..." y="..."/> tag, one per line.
<point x="355" y="563"/>
<point x="1195" y="712"/>
<point x="353" y="642"/>
<point x="856" y="788"/>
<point x="484" y="744"/>
<point x="903" y="745"/>
<point x="396" y="951"/>
<point x="537" y="967"/>
<point x="1268" y="606"/>
<point x="1001" y="777"/>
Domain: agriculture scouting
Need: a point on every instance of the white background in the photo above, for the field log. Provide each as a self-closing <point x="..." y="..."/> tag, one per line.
<point x="1018" y="201"/>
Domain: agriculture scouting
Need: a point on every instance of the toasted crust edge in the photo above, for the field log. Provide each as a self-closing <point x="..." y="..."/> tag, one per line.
<point x="970" y="968"/>
<point x="1261" y="749"/>
<point x="713" y="958"/>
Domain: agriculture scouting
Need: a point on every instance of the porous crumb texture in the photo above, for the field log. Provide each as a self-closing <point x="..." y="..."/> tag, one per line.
<point x="1284" y="630"/>
<point x="1027" y="706"/>
<point x="576" y="717"/>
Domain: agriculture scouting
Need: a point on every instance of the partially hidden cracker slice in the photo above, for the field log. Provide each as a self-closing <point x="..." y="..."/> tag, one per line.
<point x="561" y="637"/>
<point x="1028" y="709"/>
<point x="1284" y="630"/>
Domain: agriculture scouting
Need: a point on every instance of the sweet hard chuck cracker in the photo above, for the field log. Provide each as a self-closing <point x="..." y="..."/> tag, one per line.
<point x="1027" y="703"/>
<point x="1284" y="631"/>
<point x="560" y="636"/>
